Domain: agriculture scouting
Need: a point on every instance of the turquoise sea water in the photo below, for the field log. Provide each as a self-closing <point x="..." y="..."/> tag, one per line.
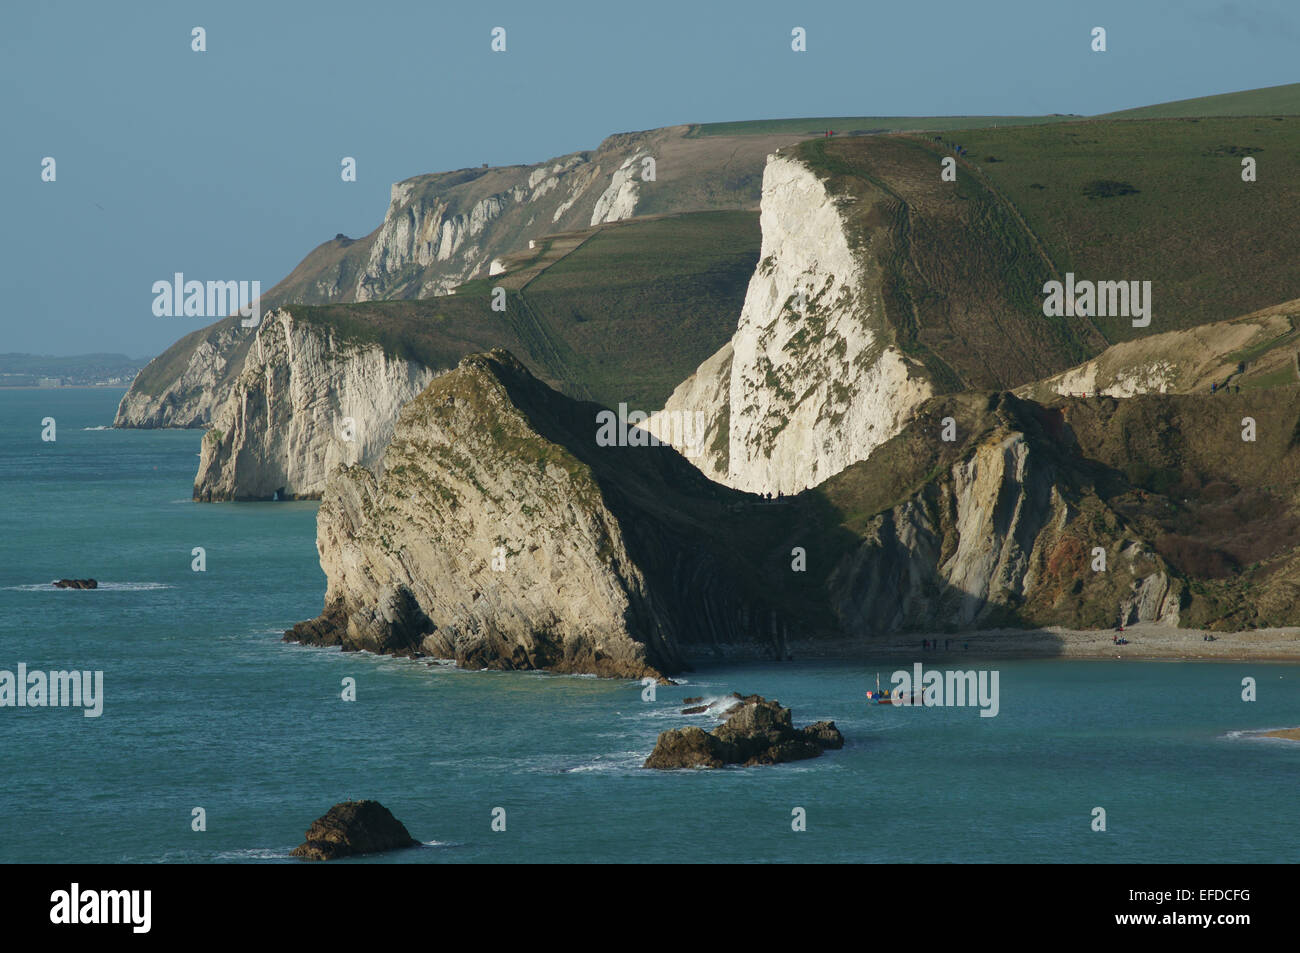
<point x="205" y="707"/>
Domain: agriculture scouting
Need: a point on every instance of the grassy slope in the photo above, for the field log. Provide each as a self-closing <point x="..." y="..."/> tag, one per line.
<point x="1213" y="246"/>
<point x="1258" y="350"/>
<point x="959" y="274"/>
<point x="1269" y="101"/>
<point x="165" y="369"/>
<point x="636" y="308"/>
<point x="337" y="261"/>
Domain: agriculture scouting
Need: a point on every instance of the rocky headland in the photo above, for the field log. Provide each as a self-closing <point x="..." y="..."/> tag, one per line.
<point x="497" y="531"/>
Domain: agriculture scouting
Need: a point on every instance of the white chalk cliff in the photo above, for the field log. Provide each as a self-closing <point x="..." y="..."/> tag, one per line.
<point x="190" y="394"/>
<point x="810" y="382"/>
<point x="305" y="403"/>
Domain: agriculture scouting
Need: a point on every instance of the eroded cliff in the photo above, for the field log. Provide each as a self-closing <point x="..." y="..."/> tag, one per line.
<point x="498" y="532"/>
<point x="810" y="382"/>
<point x="307" y="400"/>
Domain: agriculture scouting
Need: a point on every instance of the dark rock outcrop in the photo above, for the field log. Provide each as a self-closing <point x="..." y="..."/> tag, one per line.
<point x="352" y="828"/>
<point x="395" y="625"/>
<point x="757" y="731"/>
<point x="75" y="584"/>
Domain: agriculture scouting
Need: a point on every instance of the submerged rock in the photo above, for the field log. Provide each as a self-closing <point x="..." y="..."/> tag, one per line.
<point x="351" y="828"/>
<point x="757" y="731"/>
<point x="75" y="584"/>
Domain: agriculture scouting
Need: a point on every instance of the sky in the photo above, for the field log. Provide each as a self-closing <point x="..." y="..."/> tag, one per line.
<point x="225" y="164"/>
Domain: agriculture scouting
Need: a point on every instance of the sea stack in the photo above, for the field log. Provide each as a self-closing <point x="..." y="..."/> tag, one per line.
<point x="353" y="828"/>
<point x="75" y="584"/>
<point x="757" y="731"/>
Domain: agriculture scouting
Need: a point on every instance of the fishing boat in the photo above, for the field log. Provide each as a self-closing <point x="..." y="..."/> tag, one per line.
<point x="886" y="697"/>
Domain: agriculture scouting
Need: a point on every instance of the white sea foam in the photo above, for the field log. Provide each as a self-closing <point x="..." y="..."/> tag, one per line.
<point x="1261" y="734"/>
<point x="257" y="853"/>
<point x="611" y="763"/>
<point x="96" y="428"/>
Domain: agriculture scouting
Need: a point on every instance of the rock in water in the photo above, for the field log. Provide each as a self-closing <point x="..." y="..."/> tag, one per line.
<point x="758" y="731"/>
<point x="352" y="828"/>
<point x="75" y="584"/>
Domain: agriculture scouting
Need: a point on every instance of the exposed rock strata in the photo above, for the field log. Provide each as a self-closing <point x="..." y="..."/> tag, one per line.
<point x="1006" y="530"/>
<point x="184" y="386"/>
<point x="500" y="534"/>
<point x="305" y="403"/>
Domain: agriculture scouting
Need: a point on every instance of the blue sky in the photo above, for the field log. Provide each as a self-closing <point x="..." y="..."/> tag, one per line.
<point x="225" y="164"/>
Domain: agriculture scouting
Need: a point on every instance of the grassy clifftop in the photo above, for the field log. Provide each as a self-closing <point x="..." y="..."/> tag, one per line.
<point x="959" y="276"/>
<point x="961" y="265"/>
<point x="1159" y="200"/>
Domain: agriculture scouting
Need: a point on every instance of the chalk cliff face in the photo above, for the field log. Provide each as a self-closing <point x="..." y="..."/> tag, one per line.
<point x="1185" y="361"/>
<point x="499" y="533"/>
<point x="187" y="394"/>
<point x="618" y="201"/>
<point x="443" y="229"/>
<point x="305" y="402"/>
<point x="810" y="383"/>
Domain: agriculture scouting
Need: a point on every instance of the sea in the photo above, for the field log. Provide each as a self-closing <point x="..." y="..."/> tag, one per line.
<point x="219" y="743"/>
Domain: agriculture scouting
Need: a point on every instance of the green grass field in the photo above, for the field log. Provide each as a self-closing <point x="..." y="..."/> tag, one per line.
<point x="1270" y="101"/>
<point x="639" y="307"/>
<point x="1213" y="246"/>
